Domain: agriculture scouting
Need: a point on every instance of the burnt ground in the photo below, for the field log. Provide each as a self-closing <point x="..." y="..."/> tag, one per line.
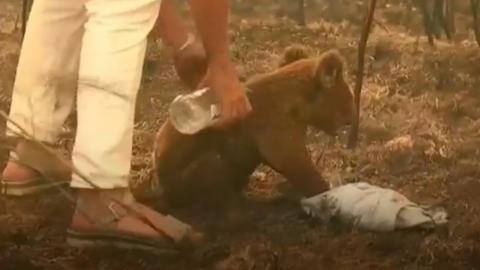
<point x="419" y="135"/>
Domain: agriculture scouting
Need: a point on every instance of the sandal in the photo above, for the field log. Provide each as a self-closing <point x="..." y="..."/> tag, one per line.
<point x="51" y="172"/>
<point x="175" y="236"/>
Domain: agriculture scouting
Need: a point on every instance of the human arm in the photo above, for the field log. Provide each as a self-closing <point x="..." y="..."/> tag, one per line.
<point x="211" y="19"/>
<point x="171" y="27"/>
<point x="189" y="57"/>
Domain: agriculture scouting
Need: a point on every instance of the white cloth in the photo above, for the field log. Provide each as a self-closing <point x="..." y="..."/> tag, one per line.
<point x="372" y="208"/>
<point x="95" y="47"/>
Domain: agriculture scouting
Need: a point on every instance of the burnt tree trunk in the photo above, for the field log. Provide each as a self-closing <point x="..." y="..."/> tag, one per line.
<point x="439" y="20"/>
<point x="474" y="10"/>
<point x="301" y="20"/>
<point x="450" y="10"/>
<point x="362" y="45"/>
<point x="427" y="22"/>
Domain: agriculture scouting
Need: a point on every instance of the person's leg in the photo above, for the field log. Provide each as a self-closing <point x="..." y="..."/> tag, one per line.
<point x="111" y="63"/>
<point x="44" y="90"/>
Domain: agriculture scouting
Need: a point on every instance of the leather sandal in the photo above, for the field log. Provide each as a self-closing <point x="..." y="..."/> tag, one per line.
<point x="175" y="236"/>
<point x="51" y="172"/>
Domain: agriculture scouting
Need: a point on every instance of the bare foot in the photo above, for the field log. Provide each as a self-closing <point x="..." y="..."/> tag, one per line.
<point x="17" y="172"/>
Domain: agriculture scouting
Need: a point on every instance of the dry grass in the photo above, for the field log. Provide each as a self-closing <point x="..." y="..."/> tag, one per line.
<point x="419" y="134"/>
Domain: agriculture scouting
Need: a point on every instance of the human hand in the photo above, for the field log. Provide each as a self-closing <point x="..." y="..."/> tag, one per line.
<point x="234" y="104"/>
<point x="190" y="63"/>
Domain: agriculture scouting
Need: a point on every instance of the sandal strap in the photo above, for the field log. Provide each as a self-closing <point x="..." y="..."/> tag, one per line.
<point x="39" y="159"/>
<point x="173" y="229"/>
<point x="117" y="212"/>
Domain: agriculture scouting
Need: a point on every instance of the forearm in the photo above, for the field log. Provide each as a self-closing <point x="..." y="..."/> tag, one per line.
<point x="211" y="19"/>
<point x="171" y="26"/>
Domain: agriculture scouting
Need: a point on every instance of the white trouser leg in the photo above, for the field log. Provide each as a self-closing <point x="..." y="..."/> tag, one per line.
<point x="46" y="80"/>
<point x="111" y="62"/>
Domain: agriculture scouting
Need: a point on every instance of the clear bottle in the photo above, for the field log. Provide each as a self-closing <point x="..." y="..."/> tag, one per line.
<point x="193" y="112"/>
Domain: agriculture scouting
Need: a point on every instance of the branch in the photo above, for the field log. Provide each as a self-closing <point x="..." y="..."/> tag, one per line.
<point x="362" y="45"/>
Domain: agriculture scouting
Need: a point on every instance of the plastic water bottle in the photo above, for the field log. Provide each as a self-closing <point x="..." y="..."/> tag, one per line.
<point x="193" y="112"/>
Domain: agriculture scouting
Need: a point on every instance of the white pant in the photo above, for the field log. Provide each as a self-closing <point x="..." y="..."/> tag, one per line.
<point x="93" y="49"/>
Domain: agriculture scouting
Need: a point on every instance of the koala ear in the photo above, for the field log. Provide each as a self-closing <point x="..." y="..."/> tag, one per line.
<point x="292" y="54"/>
<point x="329" y="68"/>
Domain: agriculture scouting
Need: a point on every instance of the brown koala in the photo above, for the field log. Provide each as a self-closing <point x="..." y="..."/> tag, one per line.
<point x="212" y="165"/>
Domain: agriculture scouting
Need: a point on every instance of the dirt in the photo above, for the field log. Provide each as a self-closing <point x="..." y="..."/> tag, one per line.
<point x="419" y="135"/>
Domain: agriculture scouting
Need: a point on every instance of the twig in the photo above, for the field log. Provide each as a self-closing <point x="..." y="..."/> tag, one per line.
<point x="380" y="25"/>
<point x="17" y="19"/>
<point x="362" y="45"/>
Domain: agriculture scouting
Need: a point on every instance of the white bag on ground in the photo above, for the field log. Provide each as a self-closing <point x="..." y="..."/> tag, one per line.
<point x="372" y="208"/>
